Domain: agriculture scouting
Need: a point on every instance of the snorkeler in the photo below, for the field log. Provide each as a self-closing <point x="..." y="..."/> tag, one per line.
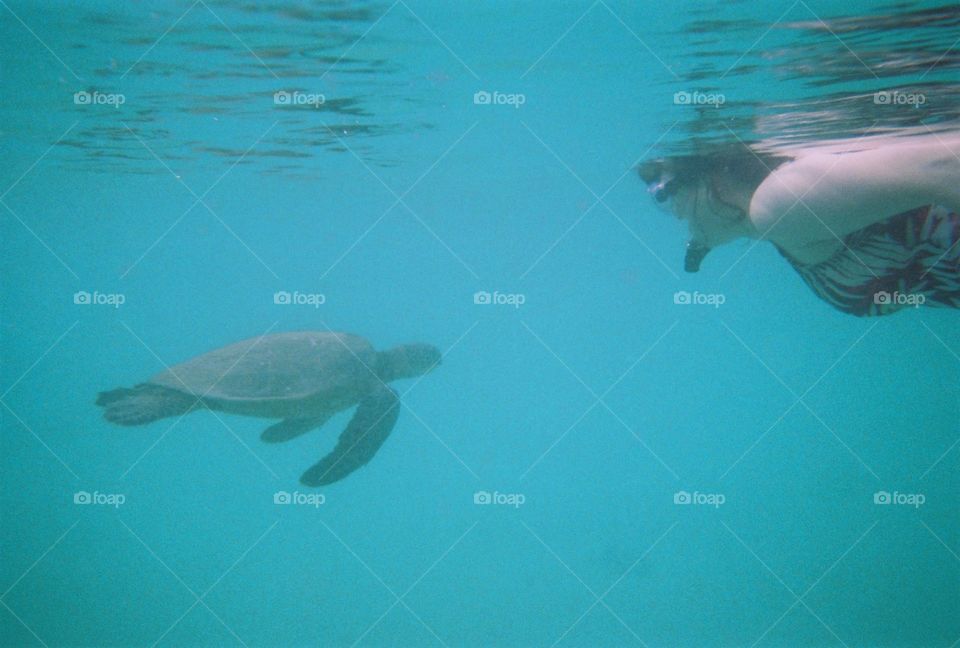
<point x="871" y="228"/>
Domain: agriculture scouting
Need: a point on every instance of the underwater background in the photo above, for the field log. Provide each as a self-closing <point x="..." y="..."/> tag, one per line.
<point x="594" y="463"/>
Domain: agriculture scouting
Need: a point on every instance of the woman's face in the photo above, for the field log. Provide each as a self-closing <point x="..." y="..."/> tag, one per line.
<point x="711" y="219"/>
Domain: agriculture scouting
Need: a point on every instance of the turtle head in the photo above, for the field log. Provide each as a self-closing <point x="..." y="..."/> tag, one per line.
<point x="407" y="361"/>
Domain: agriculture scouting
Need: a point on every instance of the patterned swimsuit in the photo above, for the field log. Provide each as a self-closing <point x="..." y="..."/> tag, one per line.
<point x="908" y="260"/>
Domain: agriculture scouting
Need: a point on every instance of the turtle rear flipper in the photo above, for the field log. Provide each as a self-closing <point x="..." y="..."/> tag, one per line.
<point x="144" y="404"/>
<point x="368" y="429"/>
<point x="291" y="428"/>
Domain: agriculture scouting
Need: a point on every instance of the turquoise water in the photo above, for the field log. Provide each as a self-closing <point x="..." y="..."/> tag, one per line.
<point x="587" y="409"/>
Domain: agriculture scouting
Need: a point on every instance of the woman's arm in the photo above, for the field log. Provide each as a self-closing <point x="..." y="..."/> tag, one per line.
<point x="843" y="192"/>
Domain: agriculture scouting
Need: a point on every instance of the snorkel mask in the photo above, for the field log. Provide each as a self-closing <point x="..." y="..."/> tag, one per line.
<point x="663" y="189"/>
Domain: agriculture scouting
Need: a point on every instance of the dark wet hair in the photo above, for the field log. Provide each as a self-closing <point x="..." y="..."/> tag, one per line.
<point x="738" y="161"/>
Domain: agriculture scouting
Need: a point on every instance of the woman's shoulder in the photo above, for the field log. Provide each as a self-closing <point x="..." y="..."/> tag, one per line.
<point x="828" y="192"/>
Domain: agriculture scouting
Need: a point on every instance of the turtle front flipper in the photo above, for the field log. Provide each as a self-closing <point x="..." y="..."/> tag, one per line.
<point x="291" y="428"/>
<point x="368" y="429"/>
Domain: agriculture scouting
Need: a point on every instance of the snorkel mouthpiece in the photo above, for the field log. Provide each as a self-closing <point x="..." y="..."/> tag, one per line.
<point x="695" y="254"/>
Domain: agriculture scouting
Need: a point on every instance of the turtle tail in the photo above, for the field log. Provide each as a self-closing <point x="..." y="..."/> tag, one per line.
<point x="144" y="404"/>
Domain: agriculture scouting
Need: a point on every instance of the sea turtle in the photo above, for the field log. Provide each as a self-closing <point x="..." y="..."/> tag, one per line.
<point x="303" y="378"/>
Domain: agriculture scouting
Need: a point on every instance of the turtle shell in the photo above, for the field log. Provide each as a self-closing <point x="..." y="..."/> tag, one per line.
<point x="279" y="367"/>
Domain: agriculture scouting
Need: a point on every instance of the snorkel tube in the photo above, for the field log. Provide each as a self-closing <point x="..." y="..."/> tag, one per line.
<point x="694" y="257"/>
